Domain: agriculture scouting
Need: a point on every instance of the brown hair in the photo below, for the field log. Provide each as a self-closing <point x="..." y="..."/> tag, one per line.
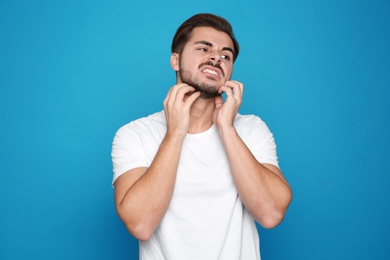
<point x="183" y="33"/>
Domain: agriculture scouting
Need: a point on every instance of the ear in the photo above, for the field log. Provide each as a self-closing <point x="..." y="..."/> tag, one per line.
<point x="175" y="61"/>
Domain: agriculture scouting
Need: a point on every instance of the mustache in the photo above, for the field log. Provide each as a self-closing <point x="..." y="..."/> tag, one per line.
<point x="209" y="63"/>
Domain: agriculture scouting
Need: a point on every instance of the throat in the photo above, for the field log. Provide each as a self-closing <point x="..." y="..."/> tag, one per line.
<point x="201" y="116"/>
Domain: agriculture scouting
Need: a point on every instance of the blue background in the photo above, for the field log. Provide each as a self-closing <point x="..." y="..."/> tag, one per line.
<point x="73" y="72"/>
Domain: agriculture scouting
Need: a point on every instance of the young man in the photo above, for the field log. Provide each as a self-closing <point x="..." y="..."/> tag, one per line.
<point x="191" y="181"/>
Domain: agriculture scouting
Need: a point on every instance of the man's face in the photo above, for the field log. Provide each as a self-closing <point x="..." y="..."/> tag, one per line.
<point x="206" y="62"/>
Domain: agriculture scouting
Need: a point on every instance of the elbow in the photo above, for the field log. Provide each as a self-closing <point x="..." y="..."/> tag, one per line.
<point x="275" y="214"/>
<point x="272" y="220"/>
<point x="140" y="231"/>
<point x="138" y="227"/>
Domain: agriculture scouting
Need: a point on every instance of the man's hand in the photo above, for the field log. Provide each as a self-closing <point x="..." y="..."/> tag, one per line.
<point x="177" y="106"/>
<point x="225" y="113"/>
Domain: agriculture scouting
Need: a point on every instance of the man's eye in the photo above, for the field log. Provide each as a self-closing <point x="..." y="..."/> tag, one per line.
<point x="203" y="49"/>
<point x="226" y="57"/>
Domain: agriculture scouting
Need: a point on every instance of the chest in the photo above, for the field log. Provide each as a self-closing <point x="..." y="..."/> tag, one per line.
<point x="204" y="169"/>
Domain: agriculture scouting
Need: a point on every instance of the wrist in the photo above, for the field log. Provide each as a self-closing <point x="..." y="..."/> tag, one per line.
<point x="226" y="130"/>
<point x="175" y="136"/>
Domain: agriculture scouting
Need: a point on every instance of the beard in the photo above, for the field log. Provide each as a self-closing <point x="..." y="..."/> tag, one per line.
<point x="207" y="91"/>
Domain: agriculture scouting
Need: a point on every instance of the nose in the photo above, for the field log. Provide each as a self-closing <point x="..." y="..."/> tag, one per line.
<point x="215" y="58"/>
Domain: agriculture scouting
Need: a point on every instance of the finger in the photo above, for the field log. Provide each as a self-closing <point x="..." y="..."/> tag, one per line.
<point x="181" y="92"/>
<point x="237" y="90"/>
<point x="176" y="88"/>
<point x="166" y="100"/>
<point x="227" y="90"/>
<point x="218" y="101"/>
<point x="191" y="99"/>
<point x="172" y="94"/>
<point x="237" y="87"/>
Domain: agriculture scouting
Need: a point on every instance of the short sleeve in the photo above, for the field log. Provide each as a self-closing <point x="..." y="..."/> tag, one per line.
<point x="127" y="150"/>
<point x="263" y="145"/>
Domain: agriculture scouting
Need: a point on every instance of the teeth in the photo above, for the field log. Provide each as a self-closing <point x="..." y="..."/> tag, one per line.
<point x="211" y="72"/>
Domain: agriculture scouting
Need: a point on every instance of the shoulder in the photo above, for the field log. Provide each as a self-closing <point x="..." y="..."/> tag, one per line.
<point x="248" y="121"/>
<point x="251" y="126"/>
<point x="152" y="122"/>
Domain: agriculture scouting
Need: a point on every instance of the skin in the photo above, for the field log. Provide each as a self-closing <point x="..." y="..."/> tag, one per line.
<point x="142" y="195"/>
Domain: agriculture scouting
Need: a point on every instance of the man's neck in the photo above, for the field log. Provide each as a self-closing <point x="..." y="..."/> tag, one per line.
<point x="201" y="115"/>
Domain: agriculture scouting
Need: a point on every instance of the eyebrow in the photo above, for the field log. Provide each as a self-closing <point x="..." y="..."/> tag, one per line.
<point x="211" y="45"/>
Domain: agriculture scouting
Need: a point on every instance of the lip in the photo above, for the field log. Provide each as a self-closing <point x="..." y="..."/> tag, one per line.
<point x="213" y="69"/>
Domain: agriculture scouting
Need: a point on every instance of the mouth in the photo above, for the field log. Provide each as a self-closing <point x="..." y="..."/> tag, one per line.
<point x="212" y="72"/>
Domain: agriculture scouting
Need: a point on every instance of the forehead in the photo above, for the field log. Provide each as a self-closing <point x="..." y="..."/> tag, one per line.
<point x="209" y="34"/>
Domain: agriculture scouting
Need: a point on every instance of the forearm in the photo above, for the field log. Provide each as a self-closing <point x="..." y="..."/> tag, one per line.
<point x="144" y="203"/>
<point x="264" y="191"/>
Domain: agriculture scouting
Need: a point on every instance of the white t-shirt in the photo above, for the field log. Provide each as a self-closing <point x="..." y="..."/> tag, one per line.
<point x="205" y="219"/>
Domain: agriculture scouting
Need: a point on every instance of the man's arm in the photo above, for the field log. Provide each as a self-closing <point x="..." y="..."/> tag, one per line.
<point x="142" y="195"/>
<point x="261" y="187"/>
